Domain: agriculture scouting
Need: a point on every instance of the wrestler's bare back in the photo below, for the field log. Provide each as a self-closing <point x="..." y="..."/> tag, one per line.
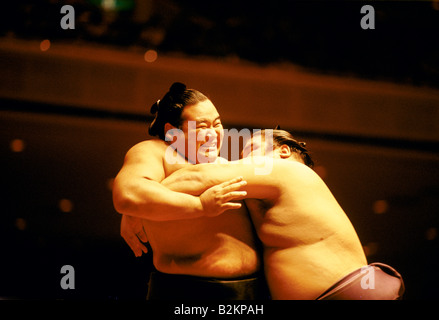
<point x="309" y="243"/>
<point x="221" y="246"/>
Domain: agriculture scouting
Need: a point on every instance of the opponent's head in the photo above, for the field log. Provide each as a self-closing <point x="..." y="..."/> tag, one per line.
<point x="279" y="144"/>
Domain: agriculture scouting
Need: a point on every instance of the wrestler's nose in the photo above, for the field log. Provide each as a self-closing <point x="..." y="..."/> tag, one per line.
<point x="210" y="133"/>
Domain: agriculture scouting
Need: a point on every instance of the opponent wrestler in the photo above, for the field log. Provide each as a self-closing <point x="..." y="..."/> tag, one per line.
<point x="311" y="250"/>
<point x="201" y="249"/>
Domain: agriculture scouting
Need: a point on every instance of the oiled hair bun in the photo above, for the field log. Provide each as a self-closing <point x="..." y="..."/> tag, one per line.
<point x="155" y="107"/>
<point x="177" y="88"/>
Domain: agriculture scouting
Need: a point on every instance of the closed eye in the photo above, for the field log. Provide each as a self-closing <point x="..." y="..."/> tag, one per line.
<point x="201" y="125"/>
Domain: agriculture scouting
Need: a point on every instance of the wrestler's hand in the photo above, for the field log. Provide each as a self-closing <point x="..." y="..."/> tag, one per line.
<point x="217" y="199"/>
<point x="131" y="230"/>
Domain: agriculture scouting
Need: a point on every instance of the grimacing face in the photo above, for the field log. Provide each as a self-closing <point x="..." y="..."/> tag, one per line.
<point x="257" y="146"/>
<point x="202" y="122"/>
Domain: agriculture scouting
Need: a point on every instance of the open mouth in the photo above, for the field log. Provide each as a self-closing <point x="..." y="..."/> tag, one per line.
<point x="208" y="148"/>
<point x="207" y="153"/>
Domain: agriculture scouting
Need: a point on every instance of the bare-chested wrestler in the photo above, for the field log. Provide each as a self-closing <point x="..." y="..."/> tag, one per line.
<point x="311" y="250"/>
<point x="201" y="249"/>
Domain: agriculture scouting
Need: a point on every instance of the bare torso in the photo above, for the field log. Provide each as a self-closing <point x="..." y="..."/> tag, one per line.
<point x="309" y="243"/>
<point x="221" y="246"/>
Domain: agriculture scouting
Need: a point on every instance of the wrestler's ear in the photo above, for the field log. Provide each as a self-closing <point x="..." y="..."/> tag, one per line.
<point x="284" y="151"/>
<point x="168" y="126"/>
<point x="169" y="135"/>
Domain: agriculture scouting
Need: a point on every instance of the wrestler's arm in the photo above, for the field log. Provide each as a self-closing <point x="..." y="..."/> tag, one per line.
<point x="197" y="179"/>
<point x="137" y="190"/>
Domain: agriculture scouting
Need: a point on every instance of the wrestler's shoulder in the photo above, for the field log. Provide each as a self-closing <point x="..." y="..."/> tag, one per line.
<point x="153" y="144"/>
<point x="295" y="169"/>
<point x="144" y="148"/>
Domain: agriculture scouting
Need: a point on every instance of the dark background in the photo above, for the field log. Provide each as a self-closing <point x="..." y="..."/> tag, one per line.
<point x="367" y="105"/>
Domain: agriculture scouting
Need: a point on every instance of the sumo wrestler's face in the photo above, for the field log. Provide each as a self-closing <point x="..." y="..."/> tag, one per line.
<point x="203" y="132"/>
<point x="257" y="146"/>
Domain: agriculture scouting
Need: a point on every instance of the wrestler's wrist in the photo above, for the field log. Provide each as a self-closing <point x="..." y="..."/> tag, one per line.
<point x="198" y="209"/>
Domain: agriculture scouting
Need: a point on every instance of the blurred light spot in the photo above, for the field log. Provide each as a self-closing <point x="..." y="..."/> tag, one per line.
<point x="45" y="45"/>
<point x="21" y="224"/>
<point x="108" y="4"/>
<point x="110" y="184"/>
<point x="65" y="205"/>
<point x="150" y="56"/>
<point x="380" y="206"/>
<point x="371" y="248"/>
<point x="321" y="171"/>
<point x="431" y="234"/>
<point x="17" y="145"/>
<point x="435" y="4"/>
